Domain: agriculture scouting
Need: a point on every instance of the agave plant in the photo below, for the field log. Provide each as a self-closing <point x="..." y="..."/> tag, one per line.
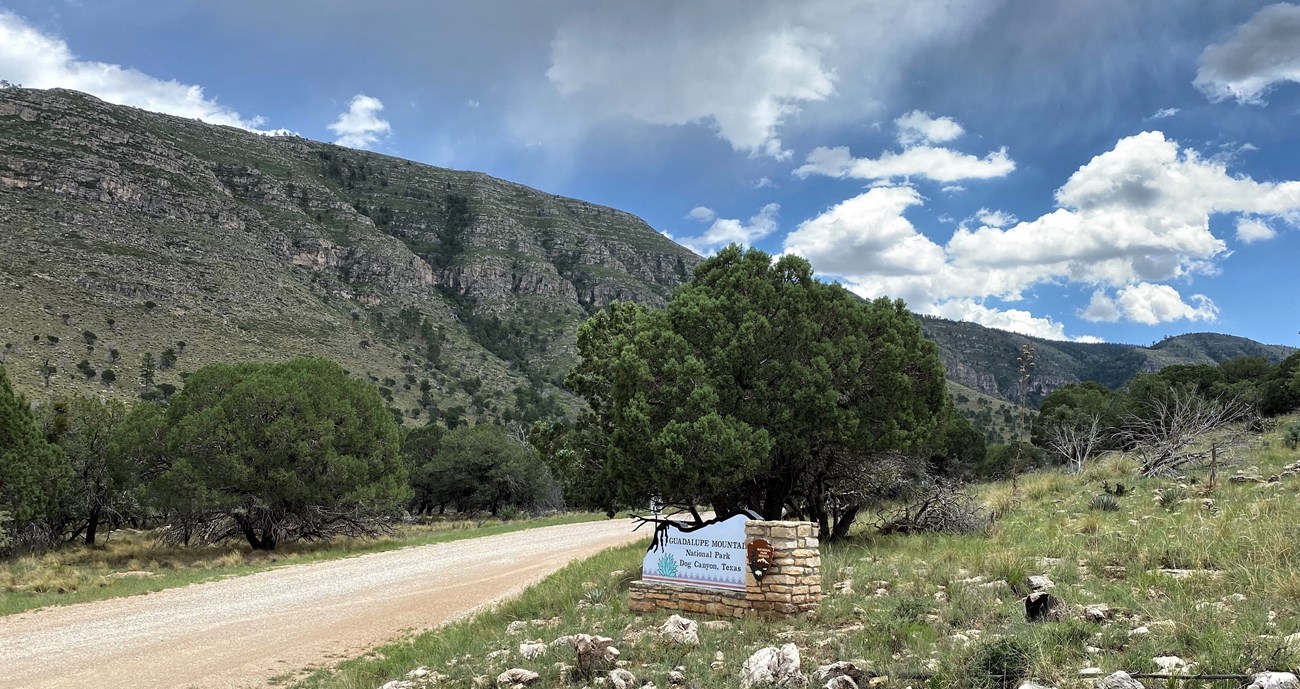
<point x="1170" y="498"/>
<point x="1104" y="502"/>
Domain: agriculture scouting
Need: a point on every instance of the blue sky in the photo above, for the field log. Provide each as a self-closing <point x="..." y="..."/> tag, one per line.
<point x="1095" y="169"/>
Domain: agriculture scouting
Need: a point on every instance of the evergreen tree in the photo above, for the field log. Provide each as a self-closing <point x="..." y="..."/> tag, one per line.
<point x="34" y="473"/>
<point x="147" y="368"/>
<point x="85" y="427"/>
<point x="757" y="387"/>
<point x="286" y="450"/>
<point x="482" y="468"/>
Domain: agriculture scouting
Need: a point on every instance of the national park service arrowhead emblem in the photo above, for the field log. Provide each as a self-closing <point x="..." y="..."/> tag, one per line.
<point x="760" y="557"/>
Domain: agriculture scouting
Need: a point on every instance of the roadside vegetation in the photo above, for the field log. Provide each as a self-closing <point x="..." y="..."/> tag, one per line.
<point x="251" y="465"/>
<point x="1200" y="577"/>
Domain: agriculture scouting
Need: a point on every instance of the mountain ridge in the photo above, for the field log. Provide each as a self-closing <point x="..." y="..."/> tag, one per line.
<point x="245" y="246"/>
<point x="459" y="294"/>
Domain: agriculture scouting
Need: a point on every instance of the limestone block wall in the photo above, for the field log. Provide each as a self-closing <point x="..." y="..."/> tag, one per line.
<point x="792" y="585"/>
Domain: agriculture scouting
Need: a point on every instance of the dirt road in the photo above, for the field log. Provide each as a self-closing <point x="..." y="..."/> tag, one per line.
<point x="241" y="632"/>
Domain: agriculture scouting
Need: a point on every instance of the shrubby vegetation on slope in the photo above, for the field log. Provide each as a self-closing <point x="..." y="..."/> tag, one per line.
<point x="34" y="473"/>
<point x="1166" y="415"/>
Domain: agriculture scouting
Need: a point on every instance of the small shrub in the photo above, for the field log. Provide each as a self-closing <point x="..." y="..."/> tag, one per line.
<point x="1104" y="502"/>
<point x="999" y="662"/>
<point x="1292" y="436"/>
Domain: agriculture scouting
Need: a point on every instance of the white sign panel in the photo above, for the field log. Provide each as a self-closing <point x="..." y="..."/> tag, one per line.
<point x="711" y="556"/>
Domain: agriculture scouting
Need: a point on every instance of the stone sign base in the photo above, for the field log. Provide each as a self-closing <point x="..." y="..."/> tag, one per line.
<point x="791" y="586"/>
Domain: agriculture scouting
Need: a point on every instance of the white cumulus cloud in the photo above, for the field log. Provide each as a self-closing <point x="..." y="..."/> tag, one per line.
<point x="724" y="231"/>
<point x="1260" y="54"/>
<point x="702" y="214"/>
<point x="1100" y="308"/>
<point x="1140" y="212"/>
<point x="930" y="162"/>
<point x="917" y="131"/>
<point x="37" y="60"/>
<point x="922" y="127"/>
<point x="1151" y="304"/>
<point x="1251" y="230"/>
<point x="1127" y="220"/>
<point x="360" y="126"/>
<point x="867" y="234"/>
<point x="1148" y="304"/>
<point x="992" y="218"/>
<point x="1014" y="320"/>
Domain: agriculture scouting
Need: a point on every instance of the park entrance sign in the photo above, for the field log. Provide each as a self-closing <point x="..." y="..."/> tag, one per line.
<point x="711" y="555"/>
<point x="735" y="566"/>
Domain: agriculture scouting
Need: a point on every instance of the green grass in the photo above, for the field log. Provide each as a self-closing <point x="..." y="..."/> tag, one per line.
<point x="79" y="574"/>
<point x="951" y="607"/>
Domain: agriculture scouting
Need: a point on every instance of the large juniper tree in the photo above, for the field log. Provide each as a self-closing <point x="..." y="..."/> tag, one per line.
<point x="285" y="450"/>
<point x="757" y="387"/>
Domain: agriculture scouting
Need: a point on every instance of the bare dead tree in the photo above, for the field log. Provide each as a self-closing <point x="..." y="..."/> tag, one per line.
<point x="1172" y="433"/>
<point x="941" y="508"/>
<point x="1075" y="443"/>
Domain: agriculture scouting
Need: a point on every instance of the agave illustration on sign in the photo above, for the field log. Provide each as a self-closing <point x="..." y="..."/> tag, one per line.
<point x="667" y="566"/>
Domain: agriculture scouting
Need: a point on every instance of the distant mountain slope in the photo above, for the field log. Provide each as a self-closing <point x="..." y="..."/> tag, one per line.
<point x="125" y="233"/>
<point x="987" y="360"/>
<point x="143" y="230"/>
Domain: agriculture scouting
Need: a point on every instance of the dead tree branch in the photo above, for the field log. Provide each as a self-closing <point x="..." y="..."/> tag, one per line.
<point x="1172" y="432"/>
<point x="1076" y="444"/>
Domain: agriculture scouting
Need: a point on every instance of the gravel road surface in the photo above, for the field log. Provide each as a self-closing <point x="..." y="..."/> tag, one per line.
<point x="240" y="632"/>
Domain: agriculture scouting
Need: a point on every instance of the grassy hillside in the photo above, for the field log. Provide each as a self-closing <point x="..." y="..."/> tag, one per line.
<point x="1207" y="576"/>
<point x="142" y="230"/>
<point x="996" y="419"/>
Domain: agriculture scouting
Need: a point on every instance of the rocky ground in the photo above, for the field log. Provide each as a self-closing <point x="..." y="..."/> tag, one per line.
<point x="1179" y="578"/>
